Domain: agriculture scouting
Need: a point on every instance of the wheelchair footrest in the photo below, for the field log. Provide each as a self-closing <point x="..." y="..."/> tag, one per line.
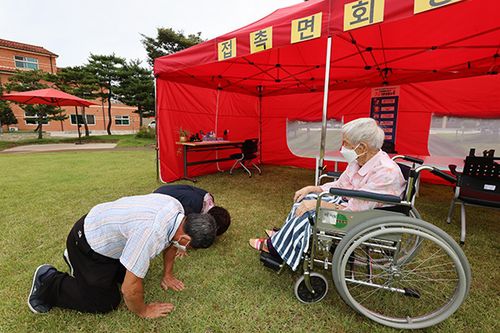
<point x="270" y="261"/>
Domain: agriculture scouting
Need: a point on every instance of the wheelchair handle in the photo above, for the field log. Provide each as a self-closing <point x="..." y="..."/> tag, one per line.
<point x="366" y="195"/>
<point x="443" y="175"/>
<point x="437" y="172"/>
<point x="409" y="158"/>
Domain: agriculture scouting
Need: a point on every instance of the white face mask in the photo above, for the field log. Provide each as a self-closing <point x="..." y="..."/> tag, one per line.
<point x="180" y="247"/>
<point x="349" y="154"/>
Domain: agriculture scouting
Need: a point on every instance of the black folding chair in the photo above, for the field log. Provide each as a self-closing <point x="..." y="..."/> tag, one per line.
<point x="249" y="151"/>
<point x="477" y="185"/>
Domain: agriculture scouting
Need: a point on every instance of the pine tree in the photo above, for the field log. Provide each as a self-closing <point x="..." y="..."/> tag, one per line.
<point x="77" y="81"/>
<point x="168" y="41"/>
<point x="6" y="115"/>
<point x="32" y="80"/>
<point x="106" y="71"/>
<point x="137" y="89"/>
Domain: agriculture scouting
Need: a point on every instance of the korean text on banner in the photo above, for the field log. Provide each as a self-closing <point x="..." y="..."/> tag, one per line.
<point x="425" y="5"/>
<point x="227" y="49"/>
<point x="261" y="40"/>
<point x="361" y="13"/>
<point x="306" y="28"/>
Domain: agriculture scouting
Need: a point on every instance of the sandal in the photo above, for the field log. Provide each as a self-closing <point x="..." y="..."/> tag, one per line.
<point x="271" y="232"/>
<point x="259" y="244"/>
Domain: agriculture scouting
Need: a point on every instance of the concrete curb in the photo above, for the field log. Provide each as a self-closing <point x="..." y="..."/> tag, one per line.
<point x="59" y="147"/>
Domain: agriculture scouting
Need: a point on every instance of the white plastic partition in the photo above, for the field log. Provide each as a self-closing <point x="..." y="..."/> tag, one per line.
<point x="454" y="136"/>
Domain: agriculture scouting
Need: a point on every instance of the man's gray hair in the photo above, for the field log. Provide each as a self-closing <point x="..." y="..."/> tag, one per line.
<point x="202" y="230"/>
<point x="364" y="130"/>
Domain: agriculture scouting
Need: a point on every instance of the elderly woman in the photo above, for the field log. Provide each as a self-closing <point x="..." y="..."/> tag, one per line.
<point x="369" y="169"/>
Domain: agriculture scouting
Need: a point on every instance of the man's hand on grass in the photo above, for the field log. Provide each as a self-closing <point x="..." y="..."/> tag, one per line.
<point x="180" y="254"/>
<point x="156" y="310"/>
<point x="171" y="282"/>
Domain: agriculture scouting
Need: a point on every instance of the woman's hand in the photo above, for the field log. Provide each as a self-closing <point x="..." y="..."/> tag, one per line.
<point x="304" y="207"/>
<point x="308" y="205"/>
<point x="300" y="194"/>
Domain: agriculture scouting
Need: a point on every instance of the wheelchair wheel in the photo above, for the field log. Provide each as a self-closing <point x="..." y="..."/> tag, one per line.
<point x="410" y="247"/>
<point x="320" y="287"/>
<point x="394" y="288"/>
<point x="407" y="248"/>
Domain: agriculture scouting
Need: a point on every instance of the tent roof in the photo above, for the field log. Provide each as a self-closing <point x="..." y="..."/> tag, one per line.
<point x="458" y="40"/>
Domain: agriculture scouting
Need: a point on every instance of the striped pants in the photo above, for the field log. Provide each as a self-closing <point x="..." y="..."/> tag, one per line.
<point x="293" y="238"/>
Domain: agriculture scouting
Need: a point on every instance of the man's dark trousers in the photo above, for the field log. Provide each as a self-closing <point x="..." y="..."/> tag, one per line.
<point x="95" y="285"/>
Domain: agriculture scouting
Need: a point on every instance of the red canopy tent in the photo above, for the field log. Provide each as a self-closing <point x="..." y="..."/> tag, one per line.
<point x="320" y="59"/>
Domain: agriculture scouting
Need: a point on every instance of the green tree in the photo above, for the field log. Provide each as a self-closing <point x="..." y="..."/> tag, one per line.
<point x="107" y="70"/>
<point x="77" y="81"/>
<point x="32" y="80"/>
<point x="6" y="115"/>
<point x="137" y="89"/>
<point x="168" y="41"/>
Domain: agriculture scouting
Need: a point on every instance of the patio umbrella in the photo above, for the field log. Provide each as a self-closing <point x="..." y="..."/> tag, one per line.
<point x="49" y="96"/>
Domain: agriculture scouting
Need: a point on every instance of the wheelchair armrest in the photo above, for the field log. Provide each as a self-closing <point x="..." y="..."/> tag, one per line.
<point x="366" y="195"/>
<point x="334" y="174"/>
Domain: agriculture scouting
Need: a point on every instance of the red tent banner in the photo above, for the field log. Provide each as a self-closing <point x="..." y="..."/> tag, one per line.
<point x="257" y="77"/>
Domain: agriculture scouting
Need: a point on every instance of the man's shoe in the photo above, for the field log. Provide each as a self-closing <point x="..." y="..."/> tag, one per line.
<point x="66" y="259"/>
<point x="35" y="304"/>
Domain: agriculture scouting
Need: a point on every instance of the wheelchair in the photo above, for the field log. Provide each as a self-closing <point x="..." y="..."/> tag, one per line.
<point x="387" y="263"/>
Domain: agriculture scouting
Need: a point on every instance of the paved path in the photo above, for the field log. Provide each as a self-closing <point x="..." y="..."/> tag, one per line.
<point x="59" y="147"/>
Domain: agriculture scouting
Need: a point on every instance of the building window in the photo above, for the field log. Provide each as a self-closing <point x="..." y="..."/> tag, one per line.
<point x="122" y="120"/>
<point x="90" y="119"/>
<point x="26" y="62"/>
<point x="33" y="119"/>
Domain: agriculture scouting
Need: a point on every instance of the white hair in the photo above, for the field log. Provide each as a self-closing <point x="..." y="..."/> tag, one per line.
<point x="364" y="130"/>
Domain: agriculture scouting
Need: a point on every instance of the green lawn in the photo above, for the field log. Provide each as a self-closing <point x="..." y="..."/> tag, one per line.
<point x="128" y="140"/>
<point x="228" y="290"/>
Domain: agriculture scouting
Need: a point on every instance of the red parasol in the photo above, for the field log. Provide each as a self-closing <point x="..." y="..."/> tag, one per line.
<point x="47" y="96"/>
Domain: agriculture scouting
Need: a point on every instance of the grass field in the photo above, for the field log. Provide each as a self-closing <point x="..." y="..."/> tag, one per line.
<point x="228" y="290"/>
<point x="128" y="140"/>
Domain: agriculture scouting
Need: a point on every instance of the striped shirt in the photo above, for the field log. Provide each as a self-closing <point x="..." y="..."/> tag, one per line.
<point x="134" y="229"/>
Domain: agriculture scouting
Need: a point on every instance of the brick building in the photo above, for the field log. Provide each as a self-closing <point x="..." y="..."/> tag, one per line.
<point x="19" y="56"/>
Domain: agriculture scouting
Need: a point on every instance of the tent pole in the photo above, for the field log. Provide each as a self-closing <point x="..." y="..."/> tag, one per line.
<point x="325" y="109"/>
<point x="157" y="146"/>
<point x="260" y="124"/>
<point x="217" y="124"/>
